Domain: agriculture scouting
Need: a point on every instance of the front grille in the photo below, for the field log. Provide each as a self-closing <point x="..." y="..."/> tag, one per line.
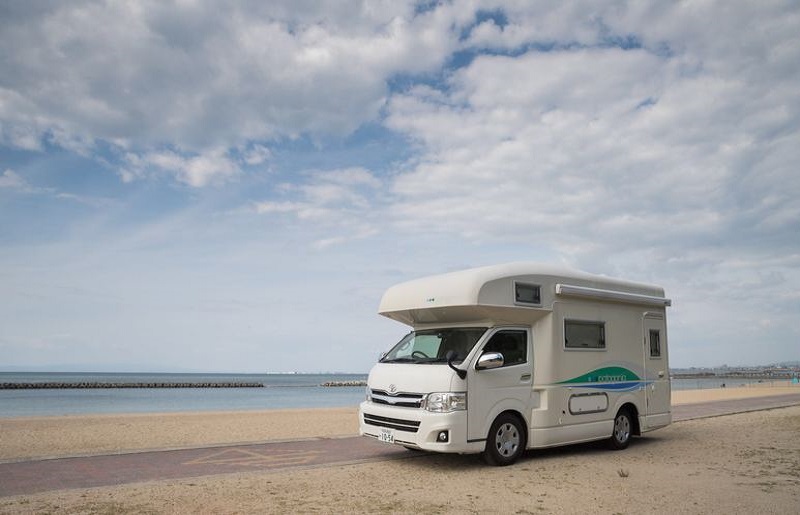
<point x="404" y="400"/>
<point x="412" y="426"/>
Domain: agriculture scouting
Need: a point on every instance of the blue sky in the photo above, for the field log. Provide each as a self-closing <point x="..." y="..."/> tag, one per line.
<point x="190" y="187"/>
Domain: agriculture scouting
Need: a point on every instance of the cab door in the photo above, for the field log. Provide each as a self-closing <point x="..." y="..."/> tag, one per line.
<point x="510" y="386"/>
<point x="657" y="387"/>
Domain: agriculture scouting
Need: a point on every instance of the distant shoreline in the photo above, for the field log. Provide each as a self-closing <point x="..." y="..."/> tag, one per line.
<point x="108" y="385"/>
<point x="782" y="377"/>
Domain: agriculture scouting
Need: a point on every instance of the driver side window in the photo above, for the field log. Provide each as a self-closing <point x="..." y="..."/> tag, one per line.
<point x="512" y="344"/>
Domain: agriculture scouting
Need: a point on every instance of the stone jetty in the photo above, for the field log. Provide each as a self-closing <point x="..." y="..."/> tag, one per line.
<point x="87" y="385"/>
<point x="344" y="383"/>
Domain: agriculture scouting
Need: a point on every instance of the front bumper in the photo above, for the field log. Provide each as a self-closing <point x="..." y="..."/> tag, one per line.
<point x="415" y="427"/>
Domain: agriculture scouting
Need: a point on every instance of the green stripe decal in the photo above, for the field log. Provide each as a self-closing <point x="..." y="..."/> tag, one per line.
<point x="604" y="375"/>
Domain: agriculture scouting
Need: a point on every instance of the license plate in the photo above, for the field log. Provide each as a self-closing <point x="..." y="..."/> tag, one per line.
<point x="387" y="435"/>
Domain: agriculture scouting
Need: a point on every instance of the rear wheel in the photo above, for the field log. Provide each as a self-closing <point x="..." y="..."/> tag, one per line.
<point x="621" y="435"/>
<point x="506" y="441"/>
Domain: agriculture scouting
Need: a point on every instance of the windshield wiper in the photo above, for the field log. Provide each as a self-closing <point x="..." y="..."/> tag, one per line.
<point x="399" y="360"/>
<point x="417" y="360"/>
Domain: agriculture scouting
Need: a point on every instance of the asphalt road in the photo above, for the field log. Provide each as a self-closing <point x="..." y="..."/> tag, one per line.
<point x="28" y="477"/>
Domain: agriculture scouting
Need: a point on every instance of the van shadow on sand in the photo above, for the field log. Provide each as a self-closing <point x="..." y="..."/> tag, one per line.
<point x="461" y="462"/>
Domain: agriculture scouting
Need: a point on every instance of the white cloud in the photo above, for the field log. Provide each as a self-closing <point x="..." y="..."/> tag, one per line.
<point x="360" y="232"/>
<point x="604" y="142"/>
<point x="146" y="75"/>
<point x="197" y="170"/>
<point x="338" y="202"/>
<point x="14" y="182"/>
<point x="10" y="179"/>
<point x="532" y="142"/>
<point x="256" y="155"/>
<point x="267" y="207"/>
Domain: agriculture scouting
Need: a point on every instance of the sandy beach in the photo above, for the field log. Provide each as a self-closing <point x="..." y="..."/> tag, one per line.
<point x="42" y="437"/>
<point x="745" y="463"/>
<point x="721" y="394"/>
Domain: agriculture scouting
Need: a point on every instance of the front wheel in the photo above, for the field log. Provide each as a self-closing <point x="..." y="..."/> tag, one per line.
<point x="506" y="441"/>
<point x="621" y="435"/>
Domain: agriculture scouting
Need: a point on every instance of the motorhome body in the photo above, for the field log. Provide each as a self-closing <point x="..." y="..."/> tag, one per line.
<point x="517" y="356"/>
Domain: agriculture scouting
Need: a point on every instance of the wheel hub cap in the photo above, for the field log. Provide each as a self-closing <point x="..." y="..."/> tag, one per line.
<point x="622" y="429"/>
<point x="507" y="440"/>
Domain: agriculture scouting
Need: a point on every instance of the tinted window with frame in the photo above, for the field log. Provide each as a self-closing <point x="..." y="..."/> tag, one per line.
<point x="513" y="345"/>
<point x="579" y="334"/>
<point x="527" y="294"/>
<point x="655" y="343"/>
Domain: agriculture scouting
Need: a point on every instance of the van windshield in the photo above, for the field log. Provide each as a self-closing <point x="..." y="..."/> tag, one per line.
<point x="432" y="345"/>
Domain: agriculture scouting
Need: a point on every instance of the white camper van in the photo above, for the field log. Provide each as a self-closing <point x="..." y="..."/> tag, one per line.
<point x="512" y="357"/>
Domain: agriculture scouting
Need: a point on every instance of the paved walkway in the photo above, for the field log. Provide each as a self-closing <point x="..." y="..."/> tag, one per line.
<point x="86" y="472"/>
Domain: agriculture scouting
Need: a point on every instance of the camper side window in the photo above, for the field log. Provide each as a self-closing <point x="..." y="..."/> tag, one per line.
<point x="655" y="343"/>
<point x="513" y="345"/>
<point x="527" y="294"/>
<point x="579" y="334"/>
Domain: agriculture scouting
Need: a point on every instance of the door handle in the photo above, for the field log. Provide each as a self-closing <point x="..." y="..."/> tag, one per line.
<point x="525" y="377"/>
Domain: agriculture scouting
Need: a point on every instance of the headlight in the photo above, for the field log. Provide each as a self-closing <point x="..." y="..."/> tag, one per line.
<point x="369" y="394"/>
<point x="445" y="402"/>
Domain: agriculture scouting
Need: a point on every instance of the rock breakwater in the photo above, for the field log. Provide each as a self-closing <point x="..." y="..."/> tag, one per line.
<point x="87" y="385"/>
<point x="344" y="383"/>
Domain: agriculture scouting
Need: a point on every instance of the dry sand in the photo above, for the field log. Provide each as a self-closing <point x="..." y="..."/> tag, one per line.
<point x="721" y="394"/>
<point x="746" y="463"/>
<point x="37" y="437"/>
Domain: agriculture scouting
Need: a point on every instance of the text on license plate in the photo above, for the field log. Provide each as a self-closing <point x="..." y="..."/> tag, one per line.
<point x="387" y="435"/>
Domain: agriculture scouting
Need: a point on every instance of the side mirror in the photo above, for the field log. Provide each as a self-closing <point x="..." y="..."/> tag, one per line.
<point x="490" y="360"/>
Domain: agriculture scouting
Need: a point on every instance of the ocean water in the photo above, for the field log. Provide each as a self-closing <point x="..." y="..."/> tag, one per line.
<point x="702" y="383"/>
<point x="281" y="391"/>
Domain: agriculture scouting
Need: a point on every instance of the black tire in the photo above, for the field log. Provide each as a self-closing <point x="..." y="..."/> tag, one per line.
<point x="506" y="441"/>
<point x="622" y="431"/>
